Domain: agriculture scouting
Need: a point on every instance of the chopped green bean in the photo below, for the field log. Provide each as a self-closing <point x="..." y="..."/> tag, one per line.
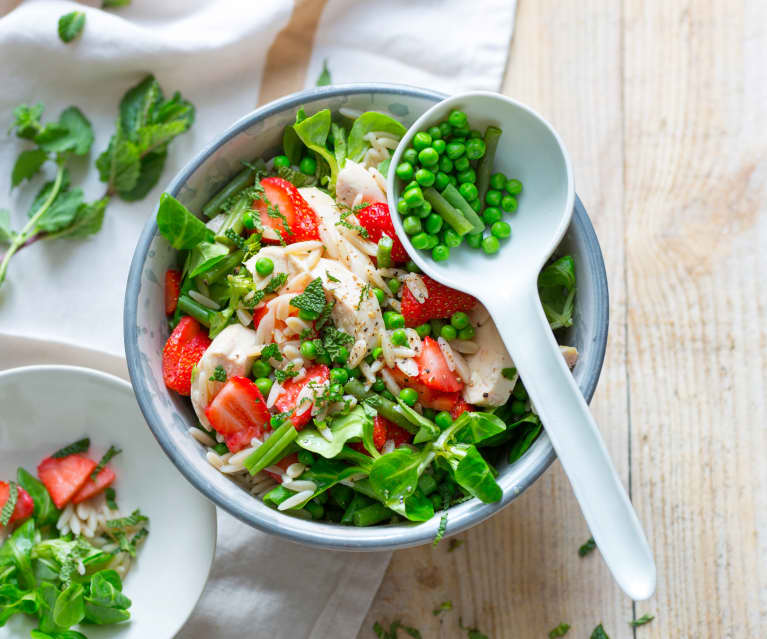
<point x="485" y="167"/>
<point x="235" y="185"/>
<point x="454" y="197"/>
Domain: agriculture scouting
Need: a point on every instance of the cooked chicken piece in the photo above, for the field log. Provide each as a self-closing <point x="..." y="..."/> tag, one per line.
<point x="281" y="264"/>
<point x="234" y="349"/>
<point x="488" y="386"/>
<point x="352" y="180"/>
<point x="570" y="353"/>
<point x="356" y="310"/>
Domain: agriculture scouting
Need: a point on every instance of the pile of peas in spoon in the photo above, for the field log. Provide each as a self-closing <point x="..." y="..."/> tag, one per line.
<point x="450" y="192"/>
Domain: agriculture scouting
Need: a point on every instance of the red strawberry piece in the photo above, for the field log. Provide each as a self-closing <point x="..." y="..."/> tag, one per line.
<point x="283" y="463"/>
<point x="91" y="488"/>
<point x="442" y="302"/>
<point x="239" y="413"/>
<point x="182" y="351"/>
<point x="427" y="396"/>
<point x="433" y="368"/>
<point x="318" y="373"/>
<point x="375" y="219"/>
<point x="300" y="217"/>
<point x="258" y="315"/>
<point x="460" y="407"/>
<point x="172" y="290"/>
<point x="65" y="476"/>
<point x="381" y="427"/>
<point x="25" y="506"/>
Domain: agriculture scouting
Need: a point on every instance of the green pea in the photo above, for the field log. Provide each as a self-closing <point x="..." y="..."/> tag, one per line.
<point x="420" y="241"/>
<point x="264" y="266"/>
<point x="380" y="296"/>
<point x="342" y="355"/>
<point x="454" y="150"/>
<point x="411" y="224"/>
<point x="509" y="203"/>
<point x="281" y="161"/>
<point x="324" y="359"/>
<point x="433" y="241"/>
<point x="475" y="149"/>
<point x="440" y="253"/>
<point x="412" y="267"/>
<point x="435" y="132"/>
<point x="424" y="177"/>
<point x="399" y="337"/>
<point x="410" y="185"/>
<point x="409" y="396"/>
<point x="413" y="197"/>
<point x="469" y="191"/>
<point x="514" y="187"/>
<point x="461" y="164"/>
<point x="461" y="132"/>
<point x="518" y="407"/>
<point x="405" y="171"/>
<point x="421" y="140"/>
<point x="264" y="385"/>
<point x="402" y="207"/>
<point x="475" y="204"/>
<point x="261" y="368"/>
<point x="519" y="392"/>
<point x="490" y="245"/>
<point x="436" y="326"/>
<point x="308" y="350"/>
<point x="394" y="285"/>
<point x="423" y="330"/>
<point x="501" y="230"/>
<point x="451" y="239"/>
<point x="433" y="224"/>
<point x="393" y="320"/>
<point x="422" y="211"/>
<point x="445" y="164"/>
<point x="497" y="181"/>
<point x="469" y="175"/>
<point x="491" y="215"/>
<point x="448" y="332"/>
<point x="336" y="390"/>
<point x="439" y="146"/>
<point x="308" y="165"/>
<point x="443" y="419"/>
<point x="441" y="181"/>
<point x="410" y="156"/>
<point x="453" y="179"/>
<point x="305" y="457"/>
<point x="457" y="119"/>
<point x="459" y="320"/>
<point x="339" y="376"/>
<point x="459" y="139"/>
<point x="428" y="156"/>
<point x="466" y="333"/>
<point x="248" y="221"/>
<point x="379" y="386"/>
<point x="308" y="316"/>
<point x="354" y="373"/>
<point x="493" y="198"/>
<point x="474" y="240"/>
<point x="445" y="129"/>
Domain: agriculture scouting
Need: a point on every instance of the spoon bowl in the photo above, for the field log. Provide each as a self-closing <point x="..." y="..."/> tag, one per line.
<point x="506" y="283"/>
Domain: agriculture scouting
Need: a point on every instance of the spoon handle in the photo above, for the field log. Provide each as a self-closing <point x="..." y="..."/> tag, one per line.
<point x="576" y="439"/>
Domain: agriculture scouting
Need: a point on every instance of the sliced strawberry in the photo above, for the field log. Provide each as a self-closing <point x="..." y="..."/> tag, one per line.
<point x="172" y="290"/>
<point x="433" y="368"/>
<point x="65" y="476"/>
<point x="381" y="427"/>
<point x="91" y="488"/>
<point x="25" y="506"/>
<point x="318" y="373"/>
<point x="398" y="435"/>
<point x="460" y="407"/>
<point x="377" y="221"/>
<point x="283" y="463"/>
<point x="258" y="315"/>
<point x="442" y="302"/>
<point x="428" y="397"/>
<point x="300" y="217"/>
<point x="239" y="413"/>
<point x="182" y="351"/>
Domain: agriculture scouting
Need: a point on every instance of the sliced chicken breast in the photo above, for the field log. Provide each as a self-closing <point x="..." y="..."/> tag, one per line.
<point x="353" y="180"/>
<point x="488" y="386"/>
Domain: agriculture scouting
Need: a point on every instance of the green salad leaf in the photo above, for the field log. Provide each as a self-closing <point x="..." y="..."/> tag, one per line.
<point x="313" y="132"/>
<point x="45" y="511"/>
<point x="324" y="78"/>
<point x="473" y="473"/>
<point x="556" y="287"/>
<point x="177" y="225"/>
<point x="357" y="425"/>
<point x="204" y="256"/>
<point x="369" y="122"/>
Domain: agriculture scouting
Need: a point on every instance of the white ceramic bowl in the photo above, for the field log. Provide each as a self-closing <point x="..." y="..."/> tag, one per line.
<point x="47" y="407"/>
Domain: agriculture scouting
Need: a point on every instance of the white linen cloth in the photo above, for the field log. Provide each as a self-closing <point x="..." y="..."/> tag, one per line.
<point x="72" y="291"/>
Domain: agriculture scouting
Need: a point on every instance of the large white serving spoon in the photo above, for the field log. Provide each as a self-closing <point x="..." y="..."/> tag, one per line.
<point x="506" y="283"/>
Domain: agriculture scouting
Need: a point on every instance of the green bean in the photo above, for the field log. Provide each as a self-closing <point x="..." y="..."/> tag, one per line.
<point x="342" y="495"/>
<point x="386" y="408"/>
<point x="485" y="168"/>
<point x="272" y="449"/>
<point x="233" y="221"/>
<point x="235" y="185"/>
<point x="371" y="515"/>
<point x="455" y="199"/>
<point x="187" y="306"/>
<point x="315" y="509"/>
<point x="358" y="501"/>
<point x="383" y="255"/>
<point x="223" y="267"/>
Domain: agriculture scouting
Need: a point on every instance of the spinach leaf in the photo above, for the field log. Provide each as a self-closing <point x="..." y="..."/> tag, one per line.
<point x="71" y="25"/>
<point x="204" y="256"/>
<point x="339" y="144"/>
<point x="45" y="511"/>
<point x="366" y="123"/>
<point x="525" y="440"/>
<point x="416" y="507"/>
<point x="27" y="164"/>
<point x="17" y="550"/>
<point x="177" y="225"/>
<point x="394" y="476"/>
<point x="477" y="427"/>
<point x="472" y="472"/>
<point x="556" y="288"/>
<point x="313" y="132"/>
<point x="510" y="432"/>
<point x="356" y="425"/>
<point x="292" y="146"/>
<point x="69" y="608"/>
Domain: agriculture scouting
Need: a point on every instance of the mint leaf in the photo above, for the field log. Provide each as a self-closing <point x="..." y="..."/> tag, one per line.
<point x="62" y="211"/>
<point x="87" y="221"/>
<point x="27" y="122"/>
<point x="445" y="605"/>
<point x="586" y="548"/>
<point x="271" y="351"/>
<point x="111" y="4"/>
<point x="27" y="164"/>
<point x="324" y="78"/>
<point x="79" y="136"/>
<point x="137" y="104"/>
<point x="71" y="25"/>
<point x="641" y="621"/>
<point x="152" y="165"/>
<point x="104" y="461"/>
<point x="110" y="496"/>
<point x="80" y="446"/>
<point x="10" y="504"/>
<point x="599" y="633"/>
<point x="219" y="375"/>
<point x="52" y="138"/>
<point x="45" y="191"/>
<point x="6" y="234"/>
<point x="156" y="135"/>
<point x="120" y="165"/>
<point x="176" y="109"/>
<point x="133" y="520"/>
<point x="312" y="299"/>
<point x="276" y="283"/>
<point x="559" y="631"/>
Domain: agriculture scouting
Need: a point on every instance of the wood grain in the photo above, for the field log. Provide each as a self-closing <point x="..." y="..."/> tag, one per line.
<point x="662" y="106"/>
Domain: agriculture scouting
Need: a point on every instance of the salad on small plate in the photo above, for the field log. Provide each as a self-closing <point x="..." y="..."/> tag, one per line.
<point x="329" y="377"/>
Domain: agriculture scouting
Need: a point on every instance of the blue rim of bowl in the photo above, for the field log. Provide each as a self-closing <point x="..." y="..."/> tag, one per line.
<point x="322" y="535"/>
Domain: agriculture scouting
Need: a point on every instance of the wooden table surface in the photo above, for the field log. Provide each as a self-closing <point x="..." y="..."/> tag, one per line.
<point x="663" y="106"/>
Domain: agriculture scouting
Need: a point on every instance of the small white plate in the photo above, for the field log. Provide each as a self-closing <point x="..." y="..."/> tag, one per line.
<point x="45" y="407"/>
